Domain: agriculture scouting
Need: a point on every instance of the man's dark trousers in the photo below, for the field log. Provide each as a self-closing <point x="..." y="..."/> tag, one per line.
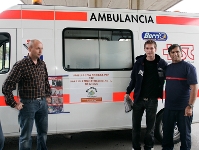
<point x="170" y="118"/>
<point x="150" y="105"/>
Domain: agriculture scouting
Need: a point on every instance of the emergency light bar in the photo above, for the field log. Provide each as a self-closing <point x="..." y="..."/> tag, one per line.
<point x="37" y="2"/>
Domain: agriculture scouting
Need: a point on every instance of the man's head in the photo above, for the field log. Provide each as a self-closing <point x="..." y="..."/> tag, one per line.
<point x="150" y="48"/>
<point x="35" y="49"/>
<point x="175" y="52"/>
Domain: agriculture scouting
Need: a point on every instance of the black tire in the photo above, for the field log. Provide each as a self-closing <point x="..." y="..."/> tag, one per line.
<point x="158" y="133"/>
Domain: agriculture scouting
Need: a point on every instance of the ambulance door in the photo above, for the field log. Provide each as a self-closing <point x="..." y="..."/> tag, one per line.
<point x="8" y="115"/>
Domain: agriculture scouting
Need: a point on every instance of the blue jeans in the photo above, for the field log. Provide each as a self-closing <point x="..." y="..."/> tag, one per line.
<point x="33" y="110"/>
<point x="170" y="118"/>
<point x="2" y="139"/>
<point x="150" y="107"/>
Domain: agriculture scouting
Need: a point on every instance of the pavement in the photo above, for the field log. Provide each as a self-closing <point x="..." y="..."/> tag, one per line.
<point x="106" y="140"/>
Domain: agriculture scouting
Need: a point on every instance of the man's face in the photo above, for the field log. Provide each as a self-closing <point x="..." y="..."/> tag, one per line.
<point x="176" y="55"/>
<point x="36" y="49"/>
<point x="150" y="50"/>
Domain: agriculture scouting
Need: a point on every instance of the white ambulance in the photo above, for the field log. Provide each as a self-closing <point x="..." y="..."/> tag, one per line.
<point x="89" y="54"/>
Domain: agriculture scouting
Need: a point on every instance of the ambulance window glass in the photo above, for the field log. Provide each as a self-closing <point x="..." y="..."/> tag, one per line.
<point x="4" y="52"/>
<point x="97" y="49"/>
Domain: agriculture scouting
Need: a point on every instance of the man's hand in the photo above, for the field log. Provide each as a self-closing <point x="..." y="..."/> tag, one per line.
<point x="127" y="96"/>
<point x="188" y="111"/>
<point x="19" y="106"/>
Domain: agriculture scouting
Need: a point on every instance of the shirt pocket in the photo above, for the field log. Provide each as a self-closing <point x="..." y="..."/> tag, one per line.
<point x="29" y="80"/>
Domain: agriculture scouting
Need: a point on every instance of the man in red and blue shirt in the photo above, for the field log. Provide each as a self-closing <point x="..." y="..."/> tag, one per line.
<point x="181" y="91"/>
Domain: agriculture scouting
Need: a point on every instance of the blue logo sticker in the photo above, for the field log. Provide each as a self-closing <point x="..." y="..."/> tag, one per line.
<point x="156" y="36"/>
<point x="42" y="57"/>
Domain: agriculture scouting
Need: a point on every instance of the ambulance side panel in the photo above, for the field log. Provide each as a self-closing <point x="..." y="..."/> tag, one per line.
<point x="108" y="113"/>
<point x="91" y="116"/>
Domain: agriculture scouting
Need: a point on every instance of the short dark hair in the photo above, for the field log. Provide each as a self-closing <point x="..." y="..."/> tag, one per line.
<point x="174" y="46"/>
<point x="150" y="42"/>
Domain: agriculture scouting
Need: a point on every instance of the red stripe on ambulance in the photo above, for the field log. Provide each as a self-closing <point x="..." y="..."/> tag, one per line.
<point x="43" y="15"/>
<point x="75" y="16"/>
<point x="119" y="96"/>
<point x="37" y="15"/>
<point x="82" y="16"/>
<point x="177" y="20"/>
<point x="11" y="14"/>
<point x="66" y="98"/>
<point x="3" y="103"/>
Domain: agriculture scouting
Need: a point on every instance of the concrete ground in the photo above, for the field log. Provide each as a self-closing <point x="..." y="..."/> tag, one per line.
<point x="108" y="140"/>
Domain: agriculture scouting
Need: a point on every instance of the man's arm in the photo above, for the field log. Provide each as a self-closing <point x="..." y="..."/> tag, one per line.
<point x="193" y="93"/>
<point x="131" y="85"/>
<point x="48" y="91"/>
<point x="132" y="82"/>
<point x="10" y="85"/>
<point x="192" y="99"/>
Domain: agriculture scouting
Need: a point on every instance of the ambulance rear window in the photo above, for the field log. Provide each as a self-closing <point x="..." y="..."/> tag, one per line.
<point x="4" y="52"/>
<point x="97" y="49"/>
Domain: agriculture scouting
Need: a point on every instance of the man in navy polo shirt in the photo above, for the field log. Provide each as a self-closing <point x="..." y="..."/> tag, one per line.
<point x="181" y="92"/>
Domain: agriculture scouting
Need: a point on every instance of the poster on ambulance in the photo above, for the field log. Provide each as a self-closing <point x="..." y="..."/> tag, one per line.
<point x="55" y="105"/>
<point x="91" y="87"/>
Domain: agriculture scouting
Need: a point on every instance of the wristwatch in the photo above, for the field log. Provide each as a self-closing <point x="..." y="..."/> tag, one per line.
<point x="190" y="105"/>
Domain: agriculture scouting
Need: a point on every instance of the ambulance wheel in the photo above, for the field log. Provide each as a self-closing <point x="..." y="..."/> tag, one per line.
<point x="159" y="131"/>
